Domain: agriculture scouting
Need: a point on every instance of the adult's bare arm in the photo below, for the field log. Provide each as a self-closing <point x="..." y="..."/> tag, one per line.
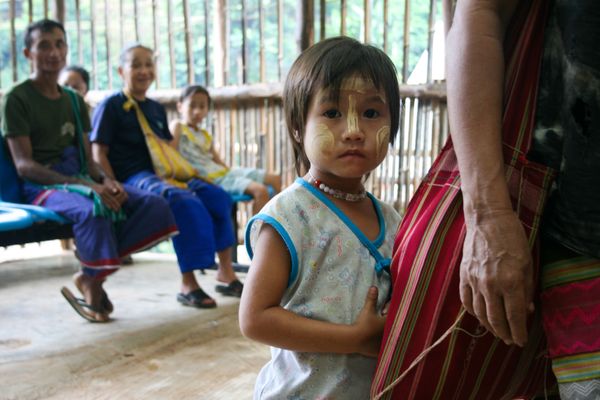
<point x="29" y="169"/>
<point x="496" y="270"/>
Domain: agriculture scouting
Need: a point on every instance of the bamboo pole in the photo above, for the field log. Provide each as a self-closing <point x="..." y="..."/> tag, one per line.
<point x="261" y="36"/>
<point x="322" y="15"/>
<point x="189" y="55"/>
<point x="155" y="38"/>
<point x="79" y="35"/>
<point x="367" y="21"/>
<point x="45" y="8"/>
<point x="406" y="47"/>
<point x="30" y="10"/>
<point x="107" y="43"/>
<point x="386" y="10"/>
<point x="171" y="43"/>
<point x="305" y="16"/>
<point x="343" y="17"/>
<point x="242" y="67"/>
<point x="219" y="47"/>
<point x="135" y="20"/>
<point x="432" y="11"/>
<point x="206" y="45"/>
<point x="121" y="25"/>
<point x="13" y="40"/>
<point x="280" y="39"/>
<point x="59" y="11"/>
<point x="94" y="52"/>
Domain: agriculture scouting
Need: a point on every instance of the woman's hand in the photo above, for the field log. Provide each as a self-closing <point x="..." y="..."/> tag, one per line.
<point x="496" y="276"/>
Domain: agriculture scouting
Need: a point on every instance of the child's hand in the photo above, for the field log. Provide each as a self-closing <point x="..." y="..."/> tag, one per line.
<point x="369" y="326"/>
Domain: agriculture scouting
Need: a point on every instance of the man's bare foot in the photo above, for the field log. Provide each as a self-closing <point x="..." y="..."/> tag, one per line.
<point x="94" y="295"/>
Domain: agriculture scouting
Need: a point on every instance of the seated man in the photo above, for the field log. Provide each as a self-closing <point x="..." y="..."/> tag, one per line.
<point x="44" y="127"/>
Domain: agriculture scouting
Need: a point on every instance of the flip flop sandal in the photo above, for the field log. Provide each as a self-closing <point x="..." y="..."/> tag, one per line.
<point x="81" y="307"/>
<point x="105" y="303"/>
<point x="234" y="289"/>
<point x="196" y="298"/>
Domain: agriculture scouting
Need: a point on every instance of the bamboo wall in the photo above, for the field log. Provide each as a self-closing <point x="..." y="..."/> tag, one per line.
<point x="244" y="68"/>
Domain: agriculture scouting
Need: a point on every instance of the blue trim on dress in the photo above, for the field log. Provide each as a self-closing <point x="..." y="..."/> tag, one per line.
<point x="286" y="239"/>
<point x="381" y="262"/>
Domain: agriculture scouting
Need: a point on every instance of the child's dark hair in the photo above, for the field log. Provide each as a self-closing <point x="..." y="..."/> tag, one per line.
<point x="44" y="26"/>
<point x="81" y="71"/>
<point x="326" y="65"/>
<point x="127" y="49"/>
<point x="191" y="90"/>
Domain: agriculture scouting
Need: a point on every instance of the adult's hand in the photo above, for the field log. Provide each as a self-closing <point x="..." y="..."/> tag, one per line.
<point x="116" y="189"/>
<point x="496" y="275"/>
<point x="107" y="195"/>
<point x="369" y="325"/>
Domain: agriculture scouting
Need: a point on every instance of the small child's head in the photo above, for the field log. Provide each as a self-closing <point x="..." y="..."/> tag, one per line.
<point x="137" y="68"/>
<point x="75" y="77"/>
<point x="193" y="104"/>
<point x="341" y="96"/>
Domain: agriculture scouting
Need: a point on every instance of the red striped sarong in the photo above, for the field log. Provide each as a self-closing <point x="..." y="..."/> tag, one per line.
<point x="428" y="251"/>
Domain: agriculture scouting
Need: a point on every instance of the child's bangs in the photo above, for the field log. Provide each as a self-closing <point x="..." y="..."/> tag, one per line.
<point x="343" y="62"/>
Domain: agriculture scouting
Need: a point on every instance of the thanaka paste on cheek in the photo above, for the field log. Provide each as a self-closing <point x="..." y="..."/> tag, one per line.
<point x="322" y="141"/>
<point x="383" y="140"/>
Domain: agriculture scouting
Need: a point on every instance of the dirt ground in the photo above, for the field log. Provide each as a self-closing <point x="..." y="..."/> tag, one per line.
<point x="154" y="349"/>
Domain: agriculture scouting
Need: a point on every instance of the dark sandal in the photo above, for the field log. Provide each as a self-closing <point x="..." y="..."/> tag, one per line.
<point x="81" y="307"/>
<point x="234" y="289"/>
<point x="196" y="298"/>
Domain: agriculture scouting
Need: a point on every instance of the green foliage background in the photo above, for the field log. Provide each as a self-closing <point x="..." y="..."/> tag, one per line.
<point x="104" y="75"/>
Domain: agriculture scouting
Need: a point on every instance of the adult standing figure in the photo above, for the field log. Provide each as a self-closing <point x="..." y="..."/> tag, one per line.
<point x="498" y="281"/>
<point x="45" y="125"/>
<point x="202" y="210"/>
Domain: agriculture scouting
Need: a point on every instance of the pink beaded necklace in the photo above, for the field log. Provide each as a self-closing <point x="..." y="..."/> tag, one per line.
<point x="338" y="194"/>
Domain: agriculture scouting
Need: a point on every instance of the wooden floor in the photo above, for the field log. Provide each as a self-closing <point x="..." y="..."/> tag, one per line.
<point x="154" y="348"/>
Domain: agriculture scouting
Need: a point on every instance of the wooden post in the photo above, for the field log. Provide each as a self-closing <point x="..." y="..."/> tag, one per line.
<point x="367" y="21"/>
<point x="280" y="39"/>
<point x="155" y="37"/>
<point x="432" y="11"/>
<point x="406" y="48"/>
<point x="107" y="43"/>
<point x="189" y="55"/>
<point x="220" y="44"/>
<point x="206" y="45"/>
<point x="305" y="16"/>
<point x="386" y="11"/>
<point x="59" y="11"/>
<point x="135" y="20"/>
<point x="78" y="23"/>
<point x="94" y="52"/>
<point x="342" y="17"/>
<point x="13" y="40"/>
<point x="261" y="36"/>
<point x="171" y="43"/>
<point x="322" y="14"/>
<point x="243" y="73"/>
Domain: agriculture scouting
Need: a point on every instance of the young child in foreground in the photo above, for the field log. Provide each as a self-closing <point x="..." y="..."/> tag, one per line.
<point x="318" y="281"/>
<point x="196" y="145"/>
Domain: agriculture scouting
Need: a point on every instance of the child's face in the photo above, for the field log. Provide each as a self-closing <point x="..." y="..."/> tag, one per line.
<point x="73" y="80"/>
<point x="194" y="108"/>
<point x="350" y="137"/>
<point x="137" y="71"/>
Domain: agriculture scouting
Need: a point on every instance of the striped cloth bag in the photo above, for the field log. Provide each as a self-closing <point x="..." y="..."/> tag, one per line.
<point x="467" y="363"/>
